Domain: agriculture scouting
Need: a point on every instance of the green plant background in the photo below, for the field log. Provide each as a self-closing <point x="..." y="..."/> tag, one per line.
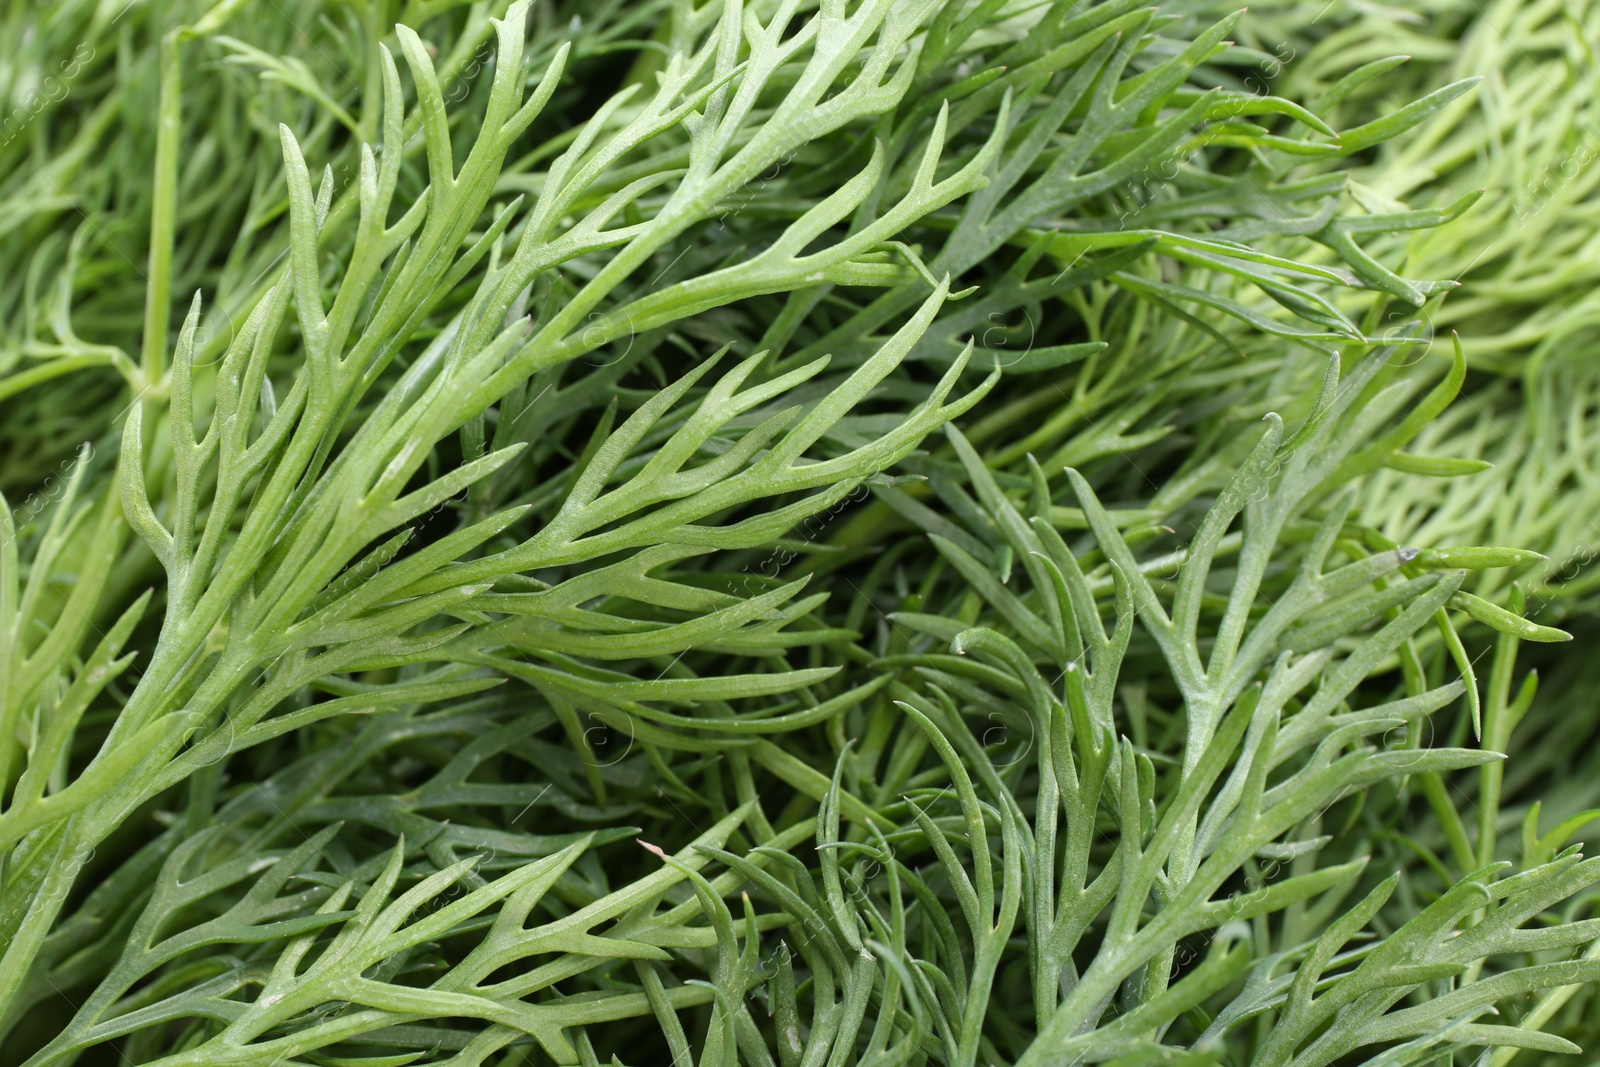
<point x="775" y="533"/>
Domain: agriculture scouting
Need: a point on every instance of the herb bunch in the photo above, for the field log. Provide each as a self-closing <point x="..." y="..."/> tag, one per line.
<point x="745" y="533"/>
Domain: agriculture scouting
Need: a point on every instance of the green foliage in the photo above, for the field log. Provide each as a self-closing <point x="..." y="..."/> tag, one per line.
<point x="768" y="533"/>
